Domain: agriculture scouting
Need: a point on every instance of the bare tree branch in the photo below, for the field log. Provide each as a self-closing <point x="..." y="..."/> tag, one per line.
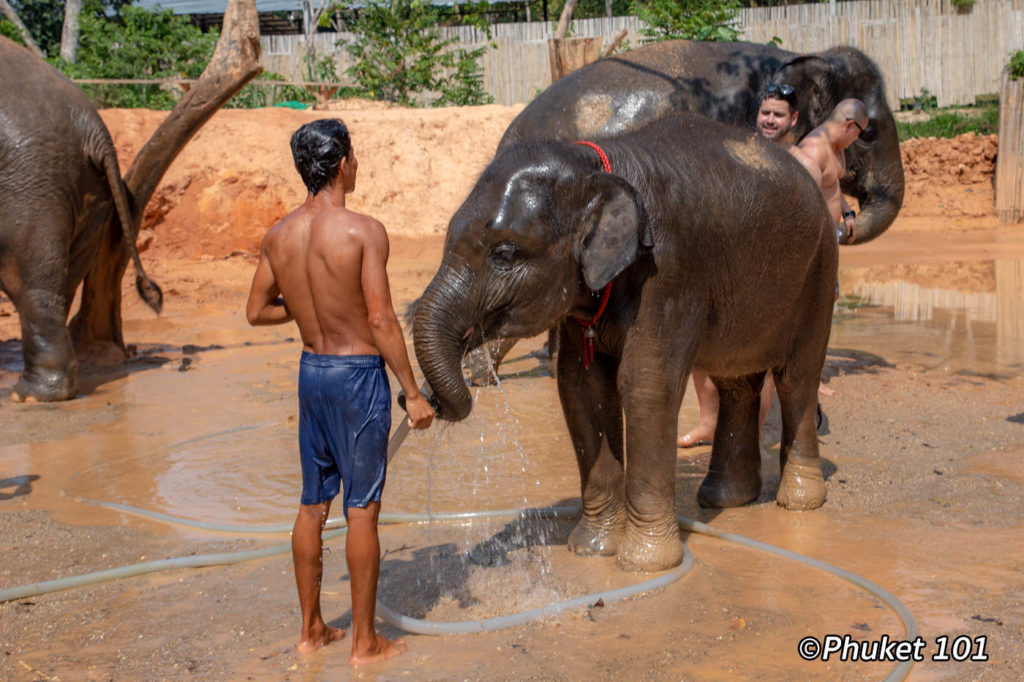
<point x="235" y="62"/>
<point x="13" y="17"/>
<point x="616" y="41"/>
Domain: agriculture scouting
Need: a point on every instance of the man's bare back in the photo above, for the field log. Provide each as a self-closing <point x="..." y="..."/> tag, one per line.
<point x="317" y="257"/>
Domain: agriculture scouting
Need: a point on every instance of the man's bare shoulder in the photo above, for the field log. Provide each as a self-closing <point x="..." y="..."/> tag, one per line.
<point x="295" y="220"/>
<point x="359" y="226"/>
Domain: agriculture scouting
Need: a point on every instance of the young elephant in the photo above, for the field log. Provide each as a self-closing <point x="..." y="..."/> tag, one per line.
<point x="703" y="247"/>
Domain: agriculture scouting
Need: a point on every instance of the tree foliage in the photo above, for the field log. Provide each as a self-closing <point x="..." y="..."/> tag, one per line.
<point x="1016" y="65"/>
<point x="44" y="19"/>
<point x="9" y="30"/>
<point x="144" y="45"/>
<point x="401" y="57"/>
<point x="688" y="19"/>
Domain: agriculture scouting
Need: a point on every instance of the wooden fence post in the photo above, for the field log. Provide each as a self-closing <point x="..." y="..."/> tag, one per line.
<point x="568" y="54"/>
<point x="1010" y="161"/>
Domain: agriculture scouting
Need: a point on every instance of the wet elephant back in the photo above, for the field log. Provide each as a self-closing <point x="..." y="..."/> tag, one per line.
<point x="620" y="94"/>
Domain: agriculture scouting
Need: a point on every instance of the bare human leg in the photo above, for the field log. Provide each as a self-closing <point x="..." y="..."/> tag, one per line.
<point x="707" y="401"/>
<point x="767" y="394"/>
<point x="362" y="550"/>
<point x="307" y="553"/>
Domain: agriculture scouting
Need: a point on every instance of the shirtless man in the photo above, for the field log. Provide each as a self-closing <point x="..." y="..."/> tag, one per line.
<point x="324" y="266"/>
<point x="776" y="116"/>
<point x="825" y="146"/>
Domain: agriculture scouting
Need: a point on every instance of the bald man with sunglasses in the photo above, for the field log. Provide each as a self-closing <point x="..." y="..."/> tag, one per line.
<point x="825" y="146"/>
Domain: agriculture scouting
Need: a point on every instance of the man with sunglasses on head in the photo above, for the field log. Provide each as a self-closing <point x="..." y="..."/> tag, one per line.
<point x="825" y="146"/>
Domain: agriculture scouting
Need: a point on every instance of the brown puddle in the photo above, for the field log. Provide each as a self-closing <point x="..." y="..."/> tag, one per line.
<point x="213" y="439"/>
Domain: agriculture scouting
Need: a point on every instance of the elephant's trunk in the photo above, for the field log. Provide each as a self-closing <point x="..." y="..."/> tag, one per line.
<point x="880" y="197"/>
<point x="439" y="326"/>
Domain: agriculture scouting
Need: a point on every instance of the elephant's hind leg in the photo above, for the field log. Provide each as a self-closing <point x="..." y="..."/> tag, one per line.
<point x="734" y="474"/>
<point x="51" y="371"/>
<point x="802" y="485"/>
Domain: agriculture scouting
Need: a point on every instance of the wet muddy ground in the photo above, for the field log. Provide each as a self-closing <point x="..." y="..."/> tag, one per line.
<point x="924" y="459"/>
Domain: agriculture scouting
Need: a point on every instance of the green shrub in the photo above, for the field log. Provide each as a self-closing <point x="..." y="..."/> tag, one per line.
<point x="11" y="31"/>
<point x="1016" y="65"/>
<point x="688" y="19"/>
<point x="401" y="57"/>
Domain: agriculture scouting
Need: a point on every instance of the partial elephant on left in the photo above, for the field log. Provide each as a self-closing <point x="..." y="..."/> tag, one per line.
<point x="61" y="196"/>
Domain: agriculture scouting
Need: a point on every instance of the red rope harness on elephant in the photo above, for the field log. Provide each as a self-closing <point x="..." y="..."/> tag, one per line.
<point x="588" y="326"/>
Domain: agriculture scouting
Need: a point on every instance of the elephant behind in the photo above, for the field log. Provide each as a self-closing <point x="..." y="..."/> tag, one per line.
<point x="60" y="186"/>
<point x="704" y="246"/>
<point x="723" y="81"/>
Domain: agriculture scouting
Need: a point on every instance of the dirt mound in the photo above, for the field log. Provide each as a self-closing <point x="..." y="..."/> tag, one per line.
<point x="950" y="177"/>
<point x="235" y="178"/>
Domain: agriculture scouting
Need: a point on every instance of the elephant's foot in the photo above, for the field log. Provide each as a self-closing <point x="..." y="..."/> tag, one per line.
<point x="646" y="552"/>
<point x="802" y="486"/>
<point x="594" y="536"/>
<point x="719" y="491"/>
<point x="49" y="391"/>
<point x="100" y="354"/>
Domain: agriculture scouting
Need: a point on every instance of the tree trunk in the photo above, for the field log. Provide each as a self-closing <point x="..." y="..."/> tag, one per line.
<point x="235" y="61"/>
<point x="564" y="19"/>
<point x="13" y="17"/>
<point x="69" y="36"/>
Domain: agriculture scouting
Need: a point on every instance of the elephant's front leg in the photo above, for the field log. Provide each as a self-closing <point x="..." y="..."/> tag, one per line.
<point x="594" y="417"/>
<point x="651" y="393"/>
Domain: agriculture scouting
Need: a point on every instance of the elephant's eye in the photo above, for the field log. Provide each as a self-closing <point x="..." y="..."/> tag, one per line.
<point x="504" y="255"/>
<point x="870" y="133"/>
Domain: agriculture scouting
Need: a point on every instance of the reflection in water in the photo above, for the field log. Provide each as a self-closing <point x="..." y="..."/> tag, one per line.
<point x="966" y="318"/>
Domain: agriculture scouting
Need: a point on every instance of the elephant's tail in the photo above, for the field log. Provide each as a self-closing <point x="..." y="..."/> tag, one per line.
<point x="147" y="288"/>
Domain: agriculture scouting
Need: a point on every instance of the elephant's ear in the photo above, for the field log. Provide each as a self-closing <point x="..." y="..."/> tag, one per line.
<point x="612" y="230"/>
<point x="810" y="77"/>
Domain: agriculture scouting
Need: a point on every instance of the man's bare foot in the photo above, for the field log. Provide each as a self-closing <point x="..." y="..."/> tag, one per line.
<point x="308" y="646"/>
<point x="824" y="390"/>
<point x="381" y="649"/>
<point x="697" y="436"/>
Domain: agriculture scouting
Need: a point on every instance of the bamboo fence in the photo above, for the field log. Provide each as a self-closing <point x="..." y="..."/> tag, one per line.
<point x="919" y="45"/>
<point x="1010" y="161"/>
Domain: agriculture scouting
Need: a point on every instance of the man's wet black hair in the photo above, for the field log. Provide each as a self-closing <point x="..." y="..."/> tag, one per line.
<point x="318" y="148"/>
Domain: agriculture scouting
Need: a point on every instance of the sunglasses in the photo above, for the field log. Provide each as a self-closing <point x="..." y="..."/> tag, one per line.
<point x="856" y="124"/>
<point x="780" y="88"/>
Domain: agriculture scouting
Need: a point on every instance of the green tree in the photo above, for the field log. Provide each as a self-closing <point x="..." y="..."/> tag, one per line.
<point x="146" y="45"/>
<point x="44" y="19"/>
<point x="401" y="57"/>
<point x="688" y="19"/>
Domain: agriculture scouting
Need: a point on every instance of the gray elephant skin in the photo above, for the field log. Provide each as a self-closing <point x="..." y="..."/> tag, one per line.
<point x="723" y="81"/>
<point x="60" y="188"/>
<point x="721" y="255"/>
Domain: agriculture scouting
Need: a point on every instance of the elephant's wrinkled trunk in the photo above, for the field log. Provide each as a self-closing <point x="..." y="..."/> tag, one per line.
<point x="439" y="326"/>
<point x="880" y="204"/>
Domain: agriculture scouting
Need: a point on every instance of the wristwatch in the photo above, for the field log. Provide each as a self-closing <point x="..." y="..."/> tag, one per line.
<point x="849" y="214"/>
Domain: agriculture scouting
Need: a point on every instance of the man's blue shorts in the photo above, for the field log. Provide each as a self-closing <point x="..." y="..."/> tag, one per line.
<point x="344" y="420"/>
